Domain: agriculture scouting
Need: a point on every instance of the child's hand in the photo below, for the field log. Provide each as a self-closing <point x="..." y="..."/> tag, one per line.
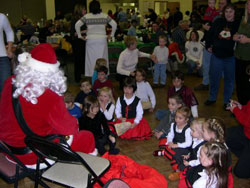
<point x="122" y="119"/>
<point x="174" y="145"/>
<point x="112" y="139"/>
<point x="186" y="156"/>
<point x="186" y="163"/>
<point x="151" y="109"/>
<point x="133" y="125"/>
<point x="158" y="134"/>
<point x="132" y="74"/>
<point x="170" y="144"/>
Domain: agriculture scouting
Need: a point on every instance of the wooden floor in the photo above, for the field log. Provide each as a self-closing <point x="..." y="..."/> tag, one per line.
<point x="141" y="151"/>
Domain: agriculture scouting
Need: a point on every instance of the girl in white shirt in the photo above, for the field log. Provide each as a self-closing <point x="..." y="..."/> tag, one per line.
<point x="214" y="159"/>
<point x="194" y="53"/>
<point x="144" y="91"/>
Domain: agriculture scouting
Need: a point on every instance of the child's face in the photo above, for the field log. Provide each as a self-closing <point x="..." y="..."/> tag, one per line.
<point x="177" y="82"/>
<point x="104" y="97"/>
<point x="180" y="119"/>
<point x="211" y="3"/>
<point x="101" y="76"/>
<point x="205" y="160"/>
<point x="193" y="37"/>
<point x="85" y="87"/>
<point x="162" y="42"/>
<point x="139" y="76"/>
<point x="94" y="110"/>
<point x="133" y="46"/>
<point x="69" y="105"/>
<point x="173" y="105"/>
<point x="207" y="134"/>
<point x="195" y="132"/>
<point x="128" y="91"/>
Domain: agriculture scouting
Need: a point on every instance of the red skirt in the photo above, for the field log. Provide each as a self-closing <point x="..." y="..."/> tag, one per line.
<point x="141" y="131"/>
<point x="134" y="174"/>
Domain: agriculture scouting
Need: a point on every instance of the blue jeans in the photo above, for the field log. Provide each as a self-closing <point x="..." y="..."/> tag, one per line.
<point x="218" y="66"/>
<point x="160" y="72"/>
<point x="191" y="66"/>
<point x="5" y="70"/>
<point x="205" y="66"/>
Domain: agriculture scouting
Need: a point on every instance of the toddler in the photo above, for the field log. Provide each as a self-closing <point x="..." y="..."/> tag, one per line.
<point x="99" y="62"/>
<point x="144" y="91"/>
<point x="211" y="11"/>
<point x="85" y="90"/>
<point x="73" y="109"/>
<point x="161" y="60"/>
<point x="129" y="108"/>
<point x="94" y="120"/>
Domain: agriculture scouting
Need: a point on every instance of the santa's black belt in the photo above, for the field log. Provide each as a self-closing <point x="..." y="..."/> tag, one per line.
<point x="19" y="150"/>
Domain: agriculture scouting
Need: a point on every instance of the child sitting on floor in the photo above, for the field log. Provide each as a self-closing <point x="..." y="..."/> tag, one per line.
<point x="129" y="109"/>
<point x="73" y="109"/>
<point x="94" y="120"/>
<point x="162" y="130"/>
<point x="144" y="91"/>
<point x="85" y="90"/>
<point x="99" y="62"/>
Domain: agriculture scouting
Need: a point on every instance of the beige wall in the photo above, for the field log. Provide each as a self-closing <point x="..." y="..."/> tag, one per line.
<point x="50" y="9"/>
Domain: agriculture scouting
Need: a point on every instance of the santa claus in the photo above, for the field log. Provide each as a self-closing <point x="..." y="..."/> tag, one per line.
<point x="39" y="85"/>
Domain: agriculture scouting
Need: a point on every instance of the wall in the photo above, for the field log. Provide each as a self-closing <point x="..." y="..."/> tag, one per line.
<point x="50" y="9"/>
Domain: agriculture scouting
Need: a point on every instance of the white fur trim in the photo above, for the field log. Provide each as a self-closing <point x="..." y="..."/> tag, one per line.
<point x="95" y="152"/>
<point x="177" y="57"/>
<point x="26" y="59"/>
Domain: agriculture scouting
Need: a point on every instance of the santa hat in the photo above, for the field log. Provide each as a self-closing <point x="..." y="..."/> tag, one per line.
<point x="42" y="58"/>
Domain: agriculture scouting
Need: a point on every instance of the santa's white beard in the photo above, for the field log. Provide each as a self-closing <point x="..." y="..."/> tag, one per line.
<point x="31" y="83"/>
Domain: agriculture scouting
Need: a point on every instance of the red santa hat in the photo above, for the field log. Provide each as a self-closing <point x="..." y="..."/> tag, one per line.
<point x="42" y="58"/>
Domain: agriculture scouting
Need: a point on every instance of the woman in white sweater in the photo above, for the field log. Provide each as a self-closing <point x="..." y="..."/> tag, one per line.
<point x="96" y="45"/>
<point x="194" y="53"/>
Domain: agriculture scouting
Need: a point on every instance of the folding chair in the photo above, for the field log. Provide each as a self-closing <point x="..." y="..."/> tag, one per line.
<point x="71" y="169"/>
<point x="12" y="172"/>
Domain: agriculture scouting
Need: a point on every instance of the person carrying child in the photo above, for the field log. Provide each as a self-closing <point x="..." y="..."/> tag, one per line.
<point x="102" y="80"/>
<point x="128" y="59"/>
<point x="162" y="130"/>
<point x="85" y="90"/>
<point x="94" y="120"/>
<point x="213" y="130"/>
<point x="161" y="52"/>
<point x="179" y="138"/>
<point x="99" y="62"/>
<point x="144" y="91"/>
<point x="129" y="109"/>
<point x="73" y="109"/>
<point x="193" y="157"/>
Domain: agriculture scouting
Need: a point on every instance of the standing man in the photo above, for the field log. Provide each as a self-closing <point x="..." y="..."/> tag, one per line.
<point x="5" y="68"/>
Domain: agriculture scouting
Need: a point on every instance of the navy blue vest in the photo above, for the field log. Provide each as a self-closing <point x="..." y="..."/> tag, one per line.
<point x="179" y="137"/>
<point x="194" y="151"/>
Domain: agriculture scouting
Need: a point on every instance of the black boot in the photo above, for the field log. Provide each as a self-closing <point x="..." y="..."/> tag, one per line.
<point x="113" y="150"/>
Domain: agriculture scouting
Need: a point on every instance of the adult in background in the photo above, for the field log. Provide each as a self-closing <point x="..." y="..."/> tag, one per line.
<point x="238" y="139"/>
<point x="220" y="42"/>
<point x="152" y="16"/>
<point x="96" y="45"/>
<point x="156" y="33"/>
<point x="5" y="67"/>
<point x="122" y="19"/>
<point x="39" y="85"/>
<point x="242" y="72"/>
<point x="78" y="44"/>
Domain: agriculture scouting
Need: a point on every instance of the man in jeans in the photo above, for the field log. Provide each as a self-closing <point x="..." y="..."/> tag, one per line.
<point x="5" y="67"/>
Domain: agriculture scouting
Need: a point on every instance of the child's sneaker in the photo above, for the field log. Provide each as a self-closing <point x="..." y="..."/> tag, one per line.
<point x="174" y="176"/>
<point x="157" y="153"/>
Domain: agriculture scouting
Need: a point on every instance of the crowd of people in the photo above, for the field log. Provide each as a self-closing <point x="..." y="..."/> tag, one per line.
<point x="216" y="45"/>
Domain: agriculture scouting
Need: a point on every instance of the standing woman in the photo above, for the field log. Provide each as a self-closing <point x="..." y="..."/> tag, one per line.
<point x="220" y="42"/>
<point x="77" y="43"/>
<point x="242" y="55"/>
<point x="96" y="45"/>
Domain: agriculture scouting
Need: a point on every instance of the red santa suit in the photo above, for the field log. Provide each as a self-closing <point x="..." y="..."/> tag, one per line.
<point x="48" y="116"/>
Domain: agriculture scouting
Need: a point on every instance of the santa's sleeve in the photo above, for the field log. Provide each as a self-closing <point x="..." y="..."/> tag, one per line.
<point x="61" y="121"/>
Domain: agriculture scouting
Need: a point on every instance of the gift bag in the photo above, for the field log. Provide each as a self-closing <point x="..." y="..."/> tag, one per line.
<point x="122" y="127"/>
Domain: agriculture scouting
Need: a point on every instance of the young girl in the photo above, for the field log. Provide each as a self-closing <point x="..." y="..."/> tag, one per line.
<point x="144" y="91"/>
<point x="129" y="108"/>
<point x="214" y="159"/>
<point x="106" y="102"/>
<point x="194" y="53"/>
<point x="211" y="11"/>
<point x="179" y="138"/>
<point x="180" y="162"/>
<point x="94" y="121"/>
<point x="162" y="130"/>
<point x="213" y="130"/>
<point x="99" y="62"/>
<point x="128" y="59"/>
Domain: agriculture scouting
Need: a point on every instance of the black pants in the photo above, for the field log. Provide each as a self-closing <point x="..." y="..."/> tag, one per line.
<point x="101" y="142"/>
<point x="121" y="79"/>
<point x="242" y="80"/>
<point x="239" y="144"/>
<point x="79" y="58"/>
